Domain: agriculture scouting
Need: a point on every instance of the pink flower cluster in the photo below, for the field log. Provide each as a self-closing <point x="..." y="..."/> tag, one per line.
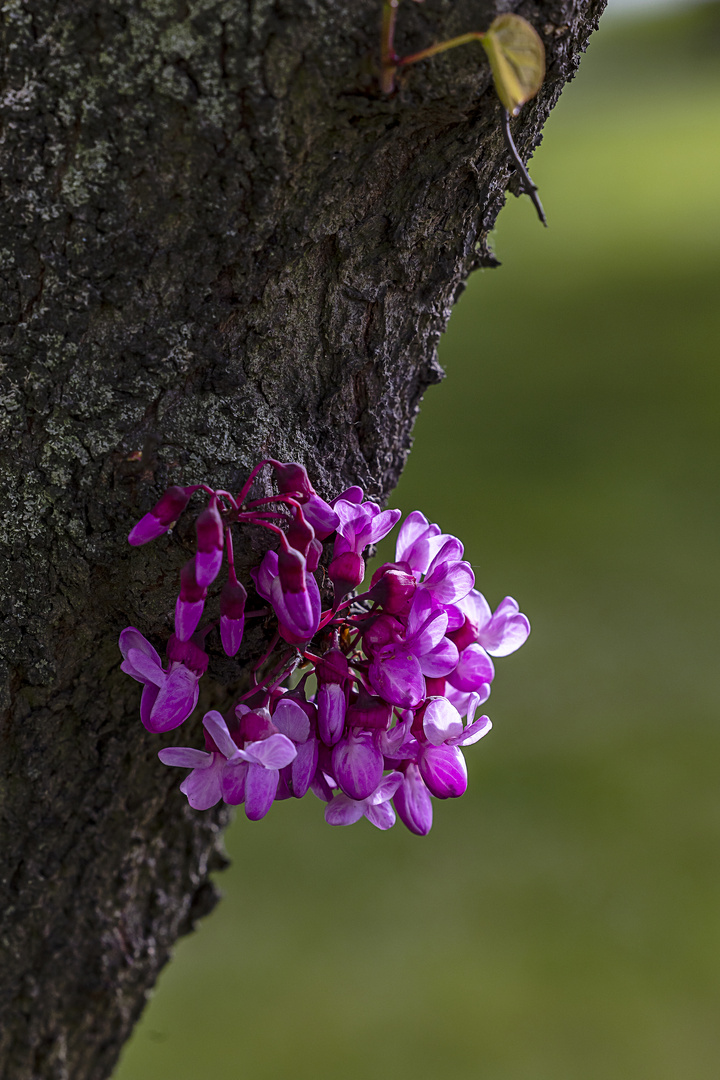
<point x="386" y="684"/>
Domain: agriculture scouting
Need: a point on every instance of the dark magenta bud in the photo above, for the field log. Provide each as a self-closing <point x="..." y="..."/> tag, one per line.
<point x="313" y="554"/>
<point x="210" y="539"/>
<point x="384" y="630"/>
<point x="369" y="712"/>
<point x="291" y="569"/>
<point x="393" y="589"/>
<point x="187" y="653"/>
<point x="332" y="707"/>
<point x="292" y="478"/>
<point x="466" y="635"/>
<point x="346" y="572"/>
<point x="190" y="603"/>
<point x="300" y="534"/>
<point x="232" y="616"/>
<point x="332" y="667"/>
<point x="163" y="515"/>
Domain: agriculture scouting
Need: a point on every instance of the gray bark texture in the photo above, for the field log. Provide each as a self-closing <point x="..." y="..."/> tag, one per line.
<point x="219" y="241"/>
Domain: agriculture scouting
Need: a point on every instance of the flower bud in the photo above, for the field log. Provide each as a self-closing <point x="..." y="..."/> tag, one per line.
<point x="291" y="569"/>
<point x="300" y="534"/>
<point x="358" y="765"/>
<point x="232" y="616"/>
<point x="444" y="771"/>
<point x="413" y="803"/>
<point x="370" y="712"/>
<point x="292" y="479"/>
<point x="331" y="707"/>
<point x="346" y="571"/>
<point x="210" y="539"/>
<point x="393" y="589"/>
<point x="163" y="515"/>
<point x="190" y="602"/>
<point x="187" y="653"/>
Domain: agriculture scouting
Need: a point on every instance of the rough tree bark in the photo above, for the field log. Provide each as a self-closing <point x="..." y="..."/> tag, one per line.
<point x="219" y="241"/>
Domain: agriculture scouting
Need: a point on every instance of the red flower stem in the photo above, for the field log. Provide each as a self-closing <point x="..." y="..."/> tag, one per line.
<point x="263" y="683"/>
<point x="232" y="577"/>
<point x="242" y="494"/>
<point x="263" y="658"/>
<point x="287" y="499"/>
<point x="251" y="516"/>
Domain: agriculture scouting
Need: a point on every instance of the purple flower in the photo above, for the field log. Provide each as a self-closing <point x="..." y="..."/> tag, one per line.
<point x="163" y="515"/>
<point x="442" y="723"/>
<point x="448" y="579"/>
<point x="444" y="771"/>
<point x="361" y="525"/>
<point x="418" y="542"/>
<point x="500" y="632"/>
<point x="292" y="720"/>
<point x="331" y="698"/>
<point x="169" y="696"/>
<point x="397" y="670"/>
<point x="343" y="810"/>
<point x="442" y="765"/>
<point x="298" y="622"/>
<point x="474" y="672"/>
<point x="264" y="758"/>
<point x="357" y="764"/>
<point x="204" y="786"/>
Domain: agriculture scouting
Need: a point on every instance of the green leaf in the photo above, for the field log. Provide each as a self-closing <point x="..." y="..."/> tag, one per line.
<point x="517" y="59"/>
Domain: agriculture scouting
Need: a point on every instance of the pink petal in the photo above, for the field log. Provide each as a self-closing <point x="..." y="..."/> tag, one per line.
<point x="215" y="725"/>
<point x="275" y="752"/>
<point x="175" y="701"/>
<point x="202" y="786"/>
<point x="474" y="732"/>
<point x="474" y="669"/>
<point x="260" y="787"/>
<point x="343" y="811"/>
<point x="184" y="757"/>
<point x="441" y="721"/>
<point x="441" y="660"/>
<point x="381" y="816"/>
<point x="398" y="678"/>
<point x="233" y="783"/>
<point x="131" y="638"/>
<point x="291" y="720"/>
<point x="303" y="767"/>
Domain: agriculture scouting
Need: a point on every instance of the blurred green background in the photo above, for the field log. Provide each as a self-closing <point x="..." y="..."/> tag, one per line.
<point x="562" y="920"/>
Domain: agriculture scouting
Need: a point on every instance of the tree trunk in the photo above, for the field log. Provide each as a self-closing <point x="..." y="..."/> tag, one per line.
<point x="220" y="241"/>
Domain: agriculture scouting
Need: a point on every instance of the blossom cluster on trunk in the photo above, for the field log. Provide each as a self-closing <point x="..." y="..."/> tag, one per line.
<point x="367" y="703"/>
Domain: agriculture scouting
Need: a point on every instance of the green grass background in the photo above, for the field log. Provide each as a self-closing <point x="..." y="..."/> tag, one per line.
<point x="561" y="921"/>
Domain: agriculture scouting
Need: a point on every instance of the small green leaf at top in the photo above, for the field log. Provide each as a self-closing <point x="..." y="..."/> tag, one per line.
<point x="517" y="58"/>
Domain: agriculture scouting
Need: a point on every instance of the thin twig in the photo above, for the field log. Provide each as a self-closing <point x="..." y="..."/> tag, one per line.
<point x="528" y="187"/>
